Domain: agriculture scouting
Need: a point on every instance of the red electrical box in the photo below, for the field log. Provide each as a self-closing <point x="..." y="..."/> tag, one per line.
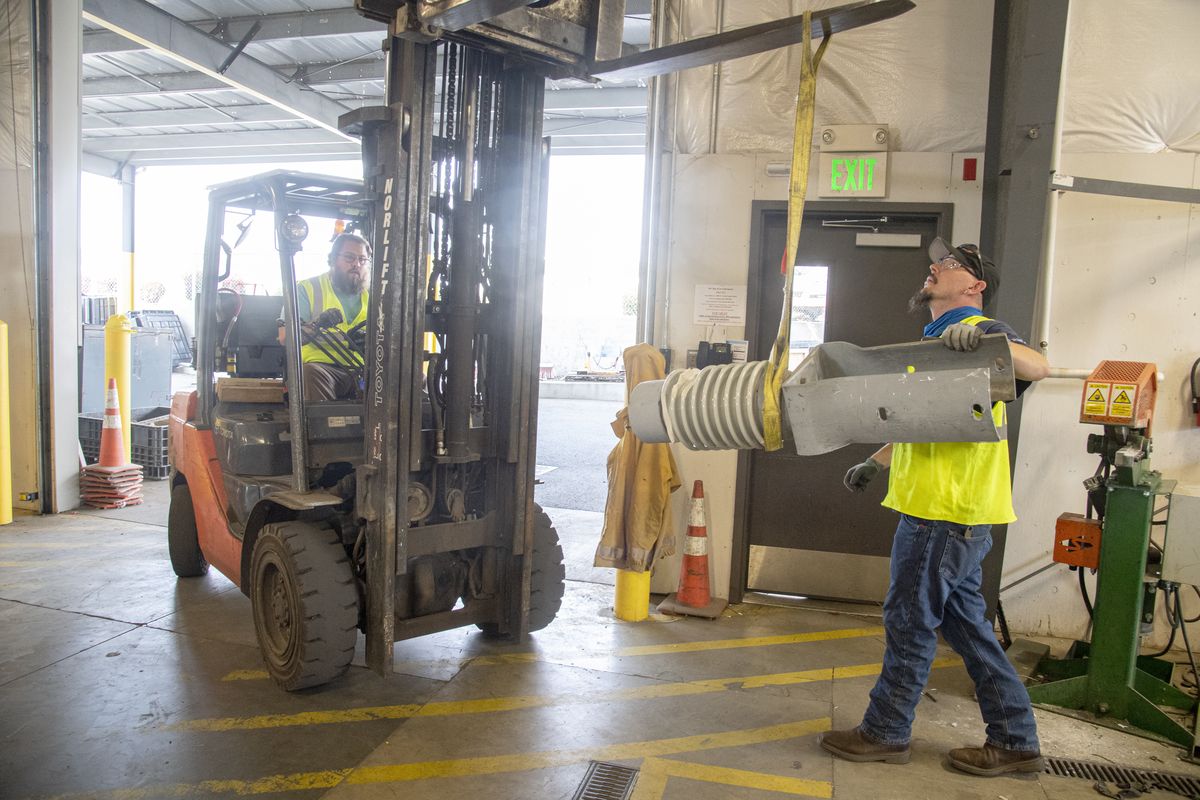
<point x="1077" y="541"/>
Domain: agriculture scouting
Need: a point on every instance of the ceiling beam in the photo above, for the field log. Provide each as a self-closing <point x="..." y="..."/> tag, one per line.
<point x="299" y="75"/>
<point x="155" y="158"/>
<point x="595" y="126"/>
<point x="100" y="165"/>
<point x="239" y="140"/>
<point x="184" y="117"/>
<point x="331" y="22"/>
<point x="170" y="36"/>
<point x="596" y="99"/>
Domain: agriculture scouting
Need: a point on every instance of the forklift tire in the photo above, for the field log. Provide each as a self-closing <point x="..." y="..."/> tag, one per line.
<point x="548" y="580"/>
<point x="548" y="576"/>
<point x="183" y="541"/>
<point x="305" y="603"/>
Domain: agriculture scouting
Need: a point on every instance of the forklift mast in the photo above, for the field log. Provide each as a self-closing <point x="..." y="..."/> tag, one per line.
<point x="457" y="168"/>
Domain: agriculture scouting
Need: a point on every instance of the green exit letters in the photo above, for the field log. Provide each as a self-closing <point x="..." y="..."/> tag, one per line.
<point x="852" y="174"/>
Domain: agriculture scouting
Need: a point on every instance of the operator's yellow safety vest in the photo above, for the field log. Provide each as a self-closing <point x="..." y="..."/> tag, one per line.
<point x="963" y="482"/>
<point x="322" y="297"/>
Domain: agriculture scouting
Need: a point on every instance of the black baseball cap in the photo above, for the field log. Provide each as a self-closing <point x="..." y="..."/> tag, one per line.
<point x="975" y="262"/>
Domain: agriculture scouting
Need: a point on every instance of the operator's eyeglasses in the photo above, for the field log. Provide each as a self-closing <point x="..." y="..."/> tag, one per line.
<point x="350" y="258"/>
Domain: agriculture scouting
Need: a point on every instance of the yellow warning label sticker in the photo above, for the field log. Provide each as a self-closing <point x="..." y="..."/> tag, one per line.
<point x="1095" y="399"/>
<point x="1123" y="398"/>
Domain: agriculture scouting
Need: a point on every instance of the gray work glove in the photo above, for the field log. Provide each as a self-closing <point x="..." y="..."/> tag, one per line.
<point x="858" y="476"/>
<point x="961" y="337"/>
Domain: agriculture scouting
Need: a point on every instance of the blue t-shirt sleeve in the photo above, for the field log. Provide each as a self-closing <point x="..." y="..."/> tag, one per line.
<point x="998" y="326"/>
<point x="302" y="307"/>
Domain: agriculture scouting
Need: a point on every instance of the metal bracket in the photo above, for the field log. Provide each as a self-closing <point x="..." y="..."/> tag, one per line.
<point x="237" y="50"/>
<point x="708" y="50"/>
<point x="923" y="392"/>
<point x="1142" y="191"/>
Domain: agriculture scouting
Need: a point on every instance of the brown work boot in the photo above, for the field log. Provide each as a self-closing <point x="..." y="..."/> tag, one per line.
<point x="852" y="745"/>
<point x="991" y="761"/>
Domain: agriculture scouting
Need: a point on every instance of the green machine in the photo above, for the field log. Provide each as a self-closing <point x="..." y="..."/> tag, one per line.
<point x="1107" y="680"/>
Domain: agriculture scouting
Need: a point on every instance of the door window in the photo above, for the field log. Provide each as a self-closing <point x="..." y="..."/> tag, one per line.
<point x="809" y="288"/>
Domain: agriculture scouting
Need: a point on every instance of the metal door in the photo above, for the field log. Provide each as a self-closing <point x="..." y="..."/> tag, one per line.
<point x="805" y="534"/>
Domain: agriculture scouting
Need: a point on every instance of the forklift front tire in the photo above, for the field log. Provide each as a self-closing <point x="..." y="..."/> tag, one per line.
<point x="305" y="603"/>
<point x="547" y="580"/>
<point x="183" y="540"/>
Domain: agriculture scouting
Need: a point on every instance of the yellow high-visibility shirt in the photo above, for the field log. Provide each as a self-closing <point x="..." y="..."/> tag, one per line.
<point x="321" y="296"/>
<point x="967" y="483"/>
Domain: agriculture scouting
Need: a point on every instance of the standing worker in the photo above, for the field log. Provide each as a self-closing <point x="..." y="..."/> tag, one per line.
<point x="343" y="287"/>
<point x="949" y="494"/>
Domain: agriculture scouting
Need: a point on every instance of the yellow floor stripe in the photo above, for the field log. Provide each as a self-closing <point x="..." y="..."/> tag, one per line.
<point x="651" y="782"/>
<point x="557" y="758"/>
<point x="641" y="650"/>
<point x="756" y="641"/>
<point x="519" y="702"/>
<point x="485" y="765"/>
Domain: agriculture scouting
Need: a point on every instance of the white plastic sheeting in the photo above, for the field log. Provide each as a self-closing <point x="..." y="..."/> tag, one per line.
<point x="17" y="277"/>
<point x="1133" y="77"/>
<point x="16" y="88"/>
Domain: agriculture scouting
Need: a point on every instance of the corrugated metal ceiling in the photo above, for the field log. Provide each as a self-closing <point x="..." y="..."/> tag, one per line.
<point x="316" y="58"/>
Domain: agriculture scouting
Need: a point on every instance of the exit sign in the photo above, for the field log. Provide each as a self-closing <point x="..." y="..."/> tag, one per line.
<point x="853" y="175"/>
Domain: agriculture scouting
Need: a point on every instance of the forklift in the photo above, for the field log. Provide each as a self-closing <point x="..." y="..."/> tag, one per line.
<point x="407" y="509"/>
<point x="275" y="490"/>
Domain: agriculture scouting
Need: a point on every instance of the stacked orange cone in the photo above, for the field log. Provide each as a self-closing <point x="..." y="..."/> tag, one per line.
<point x="693" y="596"/>
<point x="114" y="482"/>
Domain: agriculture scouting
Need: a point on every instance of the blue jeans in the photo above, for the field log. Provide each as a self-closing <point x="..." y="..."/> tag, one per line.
<point x="936" y="577"/>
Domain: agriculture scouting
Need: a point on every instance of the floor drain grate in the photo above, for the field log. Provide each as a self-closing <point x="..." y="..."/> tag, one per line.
<point x="1184" y="785"/>
<point x="605" y="781"/>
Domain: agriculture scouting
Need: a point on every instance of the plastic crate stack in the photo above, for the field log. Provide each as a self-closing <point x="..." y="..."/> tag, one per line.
<point x="181" y="351"/>
<point x="96" y="310"/>
<point x="148" y="440"/>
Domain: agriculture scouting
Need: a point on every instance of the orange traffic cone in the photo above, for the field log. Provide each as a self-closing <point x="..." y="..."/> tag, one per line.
<point x="114" y="482"/>
<point x="693" y="596"/>
<point x="112" y="446"/>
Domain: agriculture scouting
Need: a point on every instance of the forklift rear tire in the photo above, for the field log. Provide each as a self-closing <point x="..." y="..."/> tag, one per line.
<point x="305" y="603"/>
<point x="547" y="580"/>
<point x="183" y="540"/>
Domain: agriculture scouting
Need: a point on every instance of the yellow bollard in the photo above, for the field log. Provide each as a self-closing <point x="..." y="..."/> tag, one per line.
<point x="633" y="595"/>
<point x="6" y="507"/>
<point x="117" y="347"/>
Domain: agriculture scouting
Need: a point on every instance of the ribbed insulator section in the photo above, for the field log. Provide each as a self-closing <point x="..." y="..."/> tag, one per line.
<point x="715" y="408"/>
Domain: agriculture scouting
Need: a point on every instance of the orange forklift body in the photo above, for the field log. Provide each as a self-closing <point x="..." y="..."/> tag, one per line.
<point x="194" y="455"/>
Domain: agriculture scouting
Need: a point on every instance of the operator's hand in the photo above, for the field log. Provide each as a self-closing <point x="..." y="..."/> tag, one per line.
<point x="858" y="476"/>
<point x="961" y="337"/>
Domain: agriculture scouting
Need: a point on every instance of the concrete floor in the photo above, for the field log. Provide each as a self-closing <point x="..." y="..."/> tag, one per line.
<point x="119" y="681"/>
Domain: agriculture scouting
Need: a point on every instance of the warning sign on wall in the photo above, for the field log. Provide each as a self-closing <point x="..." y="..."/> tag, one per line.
<point x="1095" y="399"/>
<point x="1123" y="397"/>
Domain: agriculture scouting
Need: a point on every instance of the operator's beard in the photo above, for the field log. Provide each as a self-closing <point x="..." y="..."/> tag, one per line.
<point x="919" y="301"/>
<point x="349" y="284"/>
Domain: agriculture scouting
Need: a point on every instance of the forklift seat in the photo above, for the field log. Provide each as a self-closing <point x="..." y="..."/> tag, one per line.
<point x="251" y="390"/>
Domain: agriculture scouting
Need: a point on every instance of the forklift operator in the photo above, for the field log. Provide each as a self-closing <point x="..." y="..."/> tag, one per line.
<point x="343" y="287"/>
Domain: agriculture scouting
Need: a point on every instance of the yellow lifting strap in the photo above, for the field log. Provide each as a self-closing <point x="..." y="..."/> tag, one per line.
<point x="801" y="153"/>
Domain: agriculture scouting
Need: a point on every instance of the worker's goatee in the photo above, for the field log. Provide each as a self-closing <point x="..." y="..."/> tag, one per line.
<point x="349" y="283"/>
<point x="919" y="301"/>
